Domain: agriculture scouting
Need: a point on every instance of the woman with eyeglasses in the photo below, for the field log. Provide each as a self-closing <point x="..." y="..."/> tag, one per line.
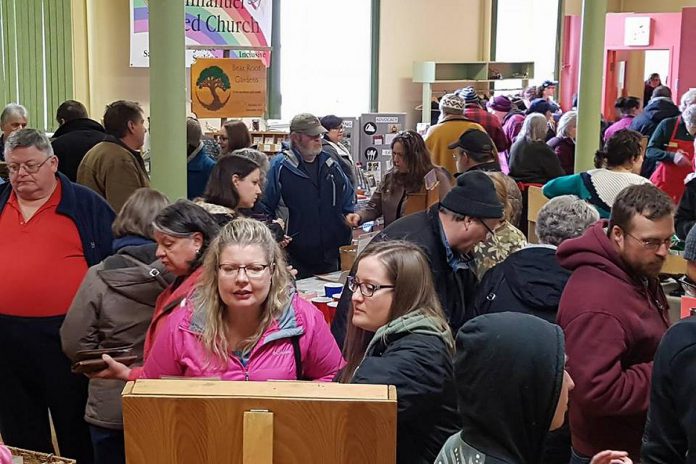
<point x="411" y="162"/>
<point x="332" y="143"/>
<point x="183" y="231"/>
<point x="233" y="136"/>
<point x="398" y="335"/>
<point x="244" y="321"/>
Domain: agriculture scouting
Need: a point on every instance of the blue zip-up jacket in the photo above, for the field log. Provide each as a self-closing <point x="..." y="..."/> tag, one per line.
<point x="314" y="214"/>
<point x="198" y="173"/>
<point x="91" y="214"/>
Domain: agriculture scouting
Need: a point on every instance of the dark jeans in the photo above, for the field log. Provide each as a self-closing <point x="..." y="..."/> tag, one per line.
<point x="577" y="458"/>
<point x="108" y="444"/>
<point x="36" y="379"/>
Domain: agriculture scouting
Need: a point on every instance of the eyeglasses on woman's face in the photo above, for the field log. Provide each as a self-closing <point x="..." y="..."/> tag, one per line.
<point x="366" y="289"/>
<point x="252" y="271"/>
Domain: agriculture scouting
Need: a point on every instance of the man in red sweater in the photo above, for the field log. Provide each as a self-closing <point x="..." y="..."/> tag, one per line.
<point x="613" y="312"/>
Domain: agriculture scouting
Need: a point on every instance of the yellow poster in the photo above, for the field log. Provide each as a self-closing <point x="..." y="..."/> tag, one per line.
<point x="228" y="88"/>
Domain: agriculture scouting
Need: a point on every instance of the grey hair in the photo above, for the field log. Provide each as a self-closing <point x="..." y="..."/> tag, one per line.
<point x="688" y="99"/>
<point x="194" y="133"/>
<point x="689" y="116"/>
<point x="13" y="109"/>
<point x="567" y="121"/>
<point x="564" y="217"/>
<point x="534" y="127"/>
<point x="25" y="138"/>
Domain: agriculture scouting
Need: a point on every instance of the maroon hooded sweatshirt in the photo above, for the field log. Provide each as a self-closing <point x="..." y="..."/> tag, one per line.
<point x="613" y="323"/>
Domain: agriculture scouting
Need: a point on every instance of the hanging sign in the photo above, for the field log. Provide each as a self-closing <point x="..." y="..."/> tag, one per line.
<point x="209" y="22"/>
<point x="228" y="87"/>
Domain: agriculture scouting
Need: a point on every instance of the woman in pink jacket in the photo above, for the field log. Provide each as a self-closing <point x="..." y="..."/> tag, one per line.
<point x="243" y="322"/>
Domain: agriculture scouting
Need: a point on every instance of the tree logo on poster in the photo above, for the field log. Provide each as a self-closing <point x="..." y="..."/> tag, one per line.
<point x="371" y="154"/>
<point x="213" y="78"/>
<point x="370" y="128"/>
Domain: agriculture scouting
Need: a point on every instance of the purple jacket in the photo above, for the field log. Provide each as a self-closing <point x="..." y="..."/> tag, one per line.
<point x="564" y="147"/>
<point x="623" y="123"/>
<point x="178" y="350"/>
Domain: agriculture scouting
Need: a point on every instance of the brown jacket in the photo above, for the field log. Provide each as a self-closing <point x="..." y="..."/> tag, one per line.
<point x="392" y="203"/>
<point x="113" y="308"/>
<point x="113" y="171"/>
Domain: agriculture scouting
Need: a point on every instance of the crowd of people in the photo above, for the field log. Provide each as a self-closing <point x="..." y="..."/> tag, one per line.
<point x="501" y="350"/>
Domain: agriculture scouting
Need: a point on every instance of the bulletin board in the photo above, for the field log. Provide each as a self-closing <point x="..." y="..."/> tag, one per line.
<point x="377" y="131"/>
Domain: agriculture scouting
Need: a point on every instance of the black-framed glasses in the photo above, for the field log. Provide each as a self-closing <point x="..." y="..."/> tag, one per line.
<point x="252" y="271"/>
<point x="652" y="244"/>
<point x="490" y="231"/>
<point x="366" y="289"/>
<point x="29" y="168"/>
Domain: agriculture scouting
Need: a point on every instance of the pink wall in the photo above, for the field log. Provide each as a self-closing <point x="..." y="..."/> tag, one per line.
<point x="665" y="32"/>
<point x="687" y="58"/>
<point x="570" y="60"/>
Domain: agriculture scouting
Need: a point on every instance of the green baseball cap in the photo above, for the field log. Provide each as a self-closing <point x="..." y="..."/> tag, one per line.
<point x="308" y="124"/>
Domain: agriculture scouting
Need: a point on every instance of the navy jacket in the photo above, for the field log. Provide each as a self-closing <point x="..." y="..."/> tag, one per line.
<point x="91" y="214"/>
<point x="198" y="172"/>
<point x="657" y="110"/>
<point x="314" y="214"/>
<point x="72" y="141"/>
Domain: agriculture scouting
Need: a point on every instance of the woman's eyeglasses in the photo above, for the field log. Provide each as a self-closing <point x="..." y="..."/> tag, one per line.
<point x="252" y="271"/>
<point x="366" y="289"/>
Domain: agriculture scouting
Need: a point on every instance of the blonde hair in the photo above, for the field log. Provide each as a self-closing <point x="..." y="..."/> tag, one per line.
<point x="207" y="300"/>
<point x="409" y="271"/>
<point x="501" y="191"/>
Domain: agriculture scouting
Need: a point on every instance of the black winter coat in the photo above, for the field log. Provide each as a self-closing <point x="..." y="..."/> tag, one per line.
<point x="420" y="366"/>
<point x="72" y="141"/>
<point x="528" y="281"/>
<point x="685" y="217"/>
<point x="646" y="123"/>
<point x="670" y="435"/>
<point x="456" y="290"/>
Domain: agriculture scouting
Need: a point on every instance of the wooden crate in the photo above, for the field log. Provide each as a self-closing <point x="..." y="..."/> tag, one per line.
<point x="204" y="421"/>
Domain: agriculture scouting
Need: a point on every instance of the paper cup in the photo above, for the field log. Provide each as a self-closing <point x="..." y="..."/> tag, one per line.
<point x="331" y="289"/>
<point x="331" y="309"/>
<point x="322" y="303"/>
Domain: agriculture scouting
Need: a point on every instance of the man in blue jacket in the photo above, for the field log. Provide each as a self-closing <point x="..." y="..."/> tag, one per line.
<point x="53" y="230"/>
<point x="308" y="189"/>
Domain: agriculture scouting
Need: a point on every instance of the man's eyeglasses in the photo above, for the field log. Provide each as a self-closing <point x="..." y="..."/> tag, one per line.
<point x="29" y="168"/>
<point x="366" y="289"/>
<point x="490" y="231"/>
<point x="252" y="271"/>
<point x="652" y="244"/>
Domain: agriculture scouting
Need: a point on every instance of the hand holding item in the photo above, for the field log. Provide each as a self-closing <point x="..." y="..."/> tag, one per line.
<point x="611" y="457"/>
<point x="681" y="159"/>
<point x="115" y="370"/>
<point x="353" y="219"/>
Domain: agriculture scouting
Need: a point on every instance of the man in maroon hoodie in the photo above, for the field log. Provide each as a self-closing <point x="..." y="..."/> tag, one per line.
<point x="614" y="313"/>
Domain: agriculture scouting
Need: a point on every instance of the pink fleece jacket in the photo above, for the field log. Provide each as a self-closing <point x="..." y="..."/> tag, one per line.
<point x="5" y="455"/>
<point x="178" y="351"/>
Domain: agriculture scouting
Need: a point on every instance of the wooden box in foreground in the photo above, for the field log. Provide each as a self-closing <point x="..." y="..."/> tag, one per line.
<point x="207" y="421"/>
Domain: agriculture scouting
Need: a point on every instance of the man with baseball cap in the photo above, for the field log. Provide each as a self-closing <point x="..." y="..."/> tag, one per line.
<point x="474" y="151"/>
<point x="308" y="189"/>
<point x="447" y="233"/>
<point x="451" y="124"/>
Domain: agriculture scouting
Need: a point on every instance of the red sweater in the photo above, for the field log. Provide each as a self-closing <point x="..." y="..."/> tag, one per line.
<point x="613" y="323"/>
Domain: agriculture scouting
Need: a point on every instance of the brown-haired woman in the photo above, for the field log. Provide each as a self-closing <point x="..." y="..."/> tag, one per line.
<point x="412" y="161"/>
<point x="235" y="135"/>
<point x="398" y="335"/>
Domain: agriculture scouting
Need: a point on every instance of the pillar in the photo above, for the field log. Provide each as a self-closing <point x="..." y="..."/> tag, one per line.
<point x="590" y="82"/>
<point x="168" y="98"/>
